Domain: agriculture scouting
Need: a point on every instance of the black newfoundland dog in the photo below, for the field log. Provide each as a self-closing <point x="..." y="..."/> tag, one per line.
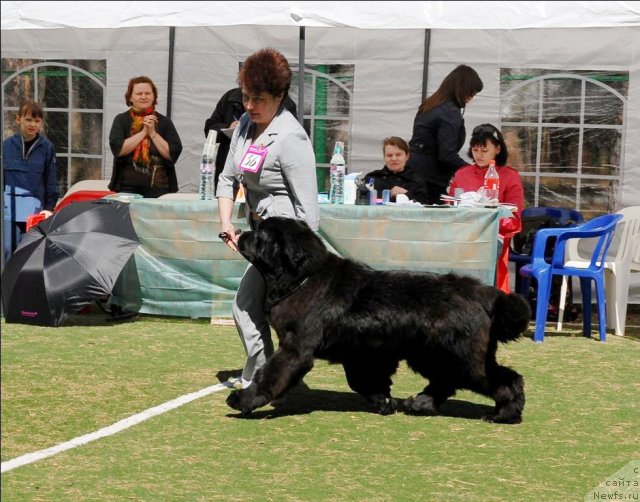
<point x="447" y="327"/>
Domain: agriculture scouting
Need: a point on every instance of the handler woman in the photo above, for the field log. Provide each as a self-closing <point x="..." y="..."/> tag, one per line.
<point x="271" y="156"/>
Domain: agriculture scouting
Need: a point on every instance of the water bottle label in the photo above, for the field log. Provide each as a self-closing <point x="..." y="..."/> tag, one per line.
<point x="253" y="159"/>
<point x="336" y="182"/>
<point x="491" y="184"/>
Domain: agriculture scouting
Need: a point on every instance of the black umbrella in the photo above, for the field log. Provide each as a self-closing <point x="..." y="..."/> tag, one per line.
<point x="67" y="261"/>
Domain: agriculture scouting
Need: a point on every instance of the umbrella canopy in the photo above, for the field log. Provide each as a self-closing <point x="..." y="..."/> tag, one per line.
<point x="67" y="261"/>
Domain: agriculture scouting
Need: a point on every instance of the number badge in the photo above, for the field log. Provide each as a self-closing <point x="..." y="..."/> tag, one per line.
<point x="253" y="159"/>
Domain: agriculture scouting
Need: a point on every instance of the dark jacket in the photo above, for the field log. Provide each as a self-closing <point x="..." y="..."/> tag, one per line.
<point x="30" y="181"/>
<point x="228" y="110"/>
<point x="385" y="179"/>
<point x="121" y="130"/>
<point x="438" y="136"/>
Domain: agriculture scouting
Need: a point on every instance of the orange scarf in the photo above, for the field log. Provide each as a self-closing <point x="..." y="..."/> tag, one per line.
<point x="141" y="154"/>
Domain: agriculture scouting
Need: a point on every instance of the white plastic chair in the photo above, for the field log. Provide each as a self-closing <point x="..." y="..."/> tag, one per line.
<point x="618" y="268"/>
<point x="98" y="185"/>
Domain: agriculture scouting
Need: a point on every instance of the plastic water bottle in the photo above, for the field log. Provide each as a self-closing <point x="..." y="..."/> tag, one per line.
<point x="373" y="193"/>
<point x="207" y="180"/>
<point x="208" y="167"/>
<point x="492" y="182"/>
<point x="337" y="169"/>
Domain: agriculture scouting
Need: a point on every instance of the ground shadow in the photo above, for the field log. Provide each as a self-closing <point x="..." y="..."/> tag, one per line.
<point x="303" y="400"/>
<point x="225" y="375"/>
<point x="99" y="318"/>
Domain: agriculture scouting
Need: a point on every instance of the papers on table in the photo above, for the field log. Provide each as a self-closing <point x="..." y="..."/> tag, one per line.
<point x="475" y="199"/>
<point x="228" y="131"/>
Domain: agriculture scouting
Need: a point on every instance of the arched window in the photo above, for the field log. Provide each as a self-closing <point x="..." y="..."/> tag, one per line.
<point x="73" y="96"/>
<point x="565" y="133"/>
<point x="328" y="91"/>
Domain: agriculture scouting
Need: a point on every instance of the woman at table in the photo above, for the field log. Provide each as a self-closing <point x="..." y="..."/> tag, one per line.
<point x="439" y="133"/>
<point x="487" y="144"/>
<point x="396" y="176"/>
<point x="145" y="144"/>
<point x="271" y="156"/>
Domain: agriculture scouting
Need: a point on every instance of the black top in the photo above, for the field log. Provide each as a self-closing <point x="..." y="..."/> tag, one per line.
<point x="384" y="179"/>
<point x="438" y="136"/>
<point x="121" y="130"/>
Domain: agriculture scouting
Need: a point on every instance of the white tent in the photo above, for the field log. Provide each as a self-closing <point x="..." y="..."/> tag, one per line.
<point x="370" y="15"/>
<point x="400" y="51"/>
<point x="384" y="40"/>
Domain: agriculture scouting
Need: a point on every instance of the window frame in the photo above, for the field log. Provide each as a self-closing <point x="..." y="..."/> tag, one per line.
<point x="540" y="125"/>
<point x="63" y="181"/>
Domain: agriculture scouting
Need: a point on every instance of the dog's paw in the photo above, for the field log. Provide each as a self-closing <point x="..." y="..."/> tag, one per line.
<point x="234" y="400"/>
<point x="384" y="405"/>
<point x="420" y="405"/>
<point x="246" y="400"/>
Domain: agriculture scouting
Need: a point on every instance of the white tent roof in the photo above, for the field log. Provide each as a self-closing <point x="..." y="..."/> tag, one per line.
<point x="368" y="15"/>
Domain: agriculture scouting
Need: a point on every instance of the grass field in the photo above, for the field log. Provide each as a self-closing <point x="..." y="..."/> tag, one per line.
<point x="581" y="423"/>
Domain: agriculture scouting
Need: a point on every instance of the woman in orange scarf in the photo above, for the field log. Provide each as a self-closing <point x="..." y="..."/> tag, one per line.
<point x="145" y="144"/>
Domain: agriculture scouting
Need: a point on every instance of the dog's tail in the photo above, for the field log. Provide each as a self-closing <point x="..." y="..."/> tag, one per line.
<point x="511" y="316"/>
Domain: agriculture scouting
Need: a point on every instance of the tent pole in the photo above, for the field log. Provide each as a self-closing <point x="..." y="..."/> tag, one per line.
<point x="301" y="50"/>
<point x="172" y="44"/>
<point x="425" y="64"/>
<point x="2" y="229"/>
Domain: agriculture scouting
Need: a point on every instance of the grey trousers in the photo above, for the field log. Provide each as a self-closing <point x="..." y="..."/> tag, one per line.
<point x="251" y="321"/>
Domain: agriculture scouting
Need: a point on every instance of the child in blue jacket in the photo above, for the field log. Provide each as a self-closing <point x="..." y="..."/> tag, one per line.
<point x="30" y="175"/>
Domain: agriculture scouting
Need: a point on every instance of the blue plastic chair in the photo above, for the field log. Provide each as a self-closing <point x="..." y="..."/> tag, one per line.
<point x="559" y="217"/>
<point x="602" y="228"/>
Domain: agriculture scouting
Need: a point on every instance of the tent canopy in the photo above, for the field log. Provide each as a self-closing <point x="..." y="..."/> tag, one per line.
<point x="192" y="51"/>
<point x="365" y="15"/>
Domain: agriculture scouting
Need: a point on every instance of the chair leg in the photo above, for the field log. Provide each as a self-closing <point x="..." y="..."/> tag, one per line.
<point x="585" y="288"/>
<point x="602" y="308"/>
<point x="523" y="286"/>
<point x="621" y="300"/>
<point x="610" y="288"/>
<point x="542" y="305"/>
<point x="617" y="290"/>
<point x="518" y="279"/>
<point x="563" y="296"/>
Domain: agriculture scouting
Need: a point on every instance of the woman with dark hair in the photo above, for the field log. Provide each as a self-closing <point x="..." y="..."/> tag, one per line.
<point x="144" y="143"/>
<point x="396" y="176"/>
<point x="439" y="133"/>
<point x="487" y="144"/>
<point x="271" y="156"/>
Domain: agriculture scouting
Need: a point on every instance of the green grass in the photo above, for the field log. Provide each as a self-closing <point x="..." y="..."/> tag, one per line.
<point x="580" y="423"/>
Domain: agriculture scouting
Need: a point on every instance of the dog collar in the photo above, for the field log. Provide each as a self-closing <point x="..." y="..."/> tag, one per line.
<point x="288" y="293"/>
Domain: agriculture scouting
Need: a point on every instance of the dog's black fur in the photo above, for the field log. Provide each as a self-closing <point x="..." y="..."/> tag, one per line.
<point x="447" y="327"/>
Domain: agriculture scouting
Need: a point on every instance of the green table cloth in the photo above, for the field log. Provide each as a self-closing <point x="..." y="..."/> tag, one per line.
<point x="181" y="267"/>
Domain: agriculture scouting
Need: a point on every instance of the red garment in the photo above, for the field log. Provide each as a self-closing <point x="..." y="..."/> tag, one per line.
<point x="141" y="152"/>
<point x="471" y="177"/>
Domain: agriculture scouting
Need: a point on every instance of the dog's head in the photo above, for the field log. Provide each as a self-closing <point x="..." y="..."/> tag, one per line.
<point x="283" y="247"/>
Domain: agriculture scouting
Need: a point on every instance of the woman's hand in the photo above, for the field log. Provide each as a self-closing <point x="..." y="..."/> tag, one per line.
<point x="397" y="190"/>
<point x="229" y="235"/>
<point x="150" y="122"/>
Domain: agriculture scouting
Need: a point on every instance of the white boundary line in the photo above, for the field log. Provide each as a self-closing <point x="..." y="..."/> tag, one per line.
<point x="112" y="429"/>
